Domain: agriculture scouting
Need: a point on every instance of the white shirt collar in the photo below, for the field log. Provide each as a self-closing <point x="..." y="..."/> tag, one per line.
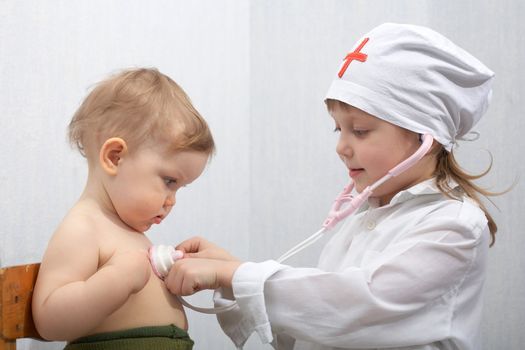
<point x="425" y="187"/>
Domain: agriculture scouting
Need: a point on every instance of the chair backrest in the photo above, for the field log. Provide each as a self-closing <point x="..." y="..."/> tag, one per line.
<point x="16" y="319"/>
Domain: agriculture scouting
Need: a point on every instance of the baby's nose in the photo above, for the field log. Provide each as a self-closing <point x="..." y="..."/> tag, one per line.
<point x="170" y="201"/>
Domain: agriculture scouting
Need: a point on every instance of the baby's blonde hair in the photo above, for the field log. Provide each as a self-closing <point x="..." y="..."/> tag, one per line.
<point x="139" y="105"/>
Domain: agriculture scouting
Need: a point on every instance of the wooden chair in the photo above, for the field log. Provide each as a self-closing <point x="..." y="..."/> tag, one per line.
<point x="16" y="319"/>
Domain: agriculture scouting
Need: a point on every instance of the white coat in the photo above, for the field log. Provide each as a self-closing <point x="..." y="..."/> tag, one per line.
<point x="407" y="275"/>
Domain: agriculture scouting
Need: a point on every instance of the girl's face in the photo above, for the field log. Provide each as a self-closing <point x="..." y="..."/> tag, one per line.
<point x="370" y="147"/>
<point x="143" y="190"/>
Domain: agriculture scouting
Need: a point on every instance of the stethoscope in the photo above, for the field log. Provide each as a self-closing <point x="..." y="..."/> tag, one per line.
<point x="162" y="257"/>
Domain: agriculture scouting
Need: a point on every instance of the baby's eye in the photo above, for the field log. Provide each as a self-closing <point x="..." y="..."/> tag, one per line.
<point x="170" y="181"/>
<point x="337" y="129"/>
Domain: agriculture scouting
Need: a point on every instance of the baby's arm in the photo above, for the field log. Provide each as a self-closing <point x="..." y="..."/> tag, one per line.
<point x="73" y="294"/>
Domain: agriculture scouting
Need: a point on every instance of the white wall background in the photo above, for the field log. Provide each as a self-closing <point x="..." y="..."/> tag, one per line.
<point x="257" y="71"/>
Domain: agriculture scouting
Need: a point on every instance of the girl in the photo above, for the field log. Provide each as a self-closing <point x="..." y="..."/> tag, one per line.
<point x="405" y="271"/>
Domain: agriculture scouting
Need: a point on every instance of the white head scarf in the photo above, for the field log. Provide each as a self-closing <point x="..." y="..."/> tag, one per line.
<point x="417" y="79"/>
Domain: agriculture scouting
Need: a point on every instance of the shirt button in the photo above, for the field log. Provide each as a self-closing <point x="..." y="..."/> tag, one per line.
<point x="371" y="225"/>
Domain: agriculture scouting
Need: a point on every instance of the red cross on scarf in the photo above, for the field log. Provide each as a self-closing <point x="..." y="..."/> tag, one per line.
<point x="356" y="55"/>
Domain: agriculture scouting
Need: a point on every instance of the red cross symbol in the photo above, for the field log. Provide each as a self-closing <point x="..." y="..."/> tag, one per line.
<point x="356" y="55"/>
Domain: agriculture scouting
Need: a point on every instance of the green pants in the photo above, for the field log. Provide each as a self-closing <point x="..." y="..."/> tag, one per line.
<point x="144" y="338"/>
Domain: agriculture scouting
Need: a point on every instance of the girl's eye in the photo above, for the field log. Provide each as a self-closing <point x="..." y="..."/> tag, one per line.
<point x="337" y="129"/>
<point x="359" y="132"/>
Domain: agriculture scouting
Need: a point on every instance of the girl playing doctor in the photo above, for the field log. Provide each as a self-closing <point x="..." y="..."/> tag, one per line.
<point x="406" y="270"/>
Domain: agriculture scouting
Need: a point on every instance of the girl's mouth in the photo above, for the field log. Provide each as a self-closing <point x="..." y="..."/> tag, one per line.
<point x="355" y="172"/>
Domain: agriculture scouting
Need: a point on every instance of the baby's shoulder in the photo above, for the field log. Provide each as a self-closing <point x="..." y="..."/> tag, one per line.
<point x="80" y="225"/>
<point x="77" y="220"/>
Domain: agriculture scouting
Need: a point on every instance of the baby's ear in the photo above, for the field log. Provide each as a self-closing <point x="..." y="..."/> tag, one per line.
<point x="111" y="154"/>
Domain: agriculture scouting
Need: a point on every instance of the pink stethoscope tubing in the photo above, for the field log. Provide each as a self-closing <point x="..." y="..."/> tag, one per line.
<point x="336" y="214"/>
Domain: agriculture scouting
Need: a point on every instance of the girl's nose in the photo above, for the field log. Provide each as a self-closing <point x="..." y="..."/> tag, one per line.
<point x="343" y="147"/>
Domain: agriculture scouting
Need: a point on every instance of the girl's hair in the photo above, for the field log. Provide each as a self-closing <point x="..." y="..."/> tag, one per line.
<point x="448" y="169"/>
<point x="139" y="105"/>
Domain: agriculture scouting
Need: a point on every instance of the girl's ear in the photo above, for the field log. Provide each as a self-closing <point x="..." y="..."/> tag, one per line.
<point x="435" y="148"/>
<point x="111" y="154"/>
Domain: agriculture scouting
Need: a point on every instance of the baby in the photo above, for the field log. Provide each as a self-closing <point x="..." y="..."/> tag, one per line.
<point x="143" y="140"/>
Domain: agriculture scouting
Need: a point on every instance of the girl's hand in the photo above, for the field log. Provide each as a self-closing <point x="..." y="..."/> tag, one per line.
<point x="198" y="247"/>
<point x="133" y="266"/>
<point x="188" y="276"/>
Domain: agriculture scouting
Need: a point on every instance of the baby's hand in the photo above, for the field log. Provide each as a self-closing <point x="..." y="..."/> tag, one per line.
<point x="188" y="276"/>
<point x="133" y="267"/>
<point x="198" y="247"/>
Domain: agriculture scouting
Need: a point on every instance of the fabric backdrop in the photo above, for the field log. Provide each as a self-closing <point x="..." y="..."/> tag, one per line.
<point x="257" y="71"/>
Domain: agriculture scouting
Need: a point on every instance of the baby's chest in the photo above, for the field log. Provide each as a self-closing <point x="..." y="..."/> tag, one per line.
<point x="120" y="242"/>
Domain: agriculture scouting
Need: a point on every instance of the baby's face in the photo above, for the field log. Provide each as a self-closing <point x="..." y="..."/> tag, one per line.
<point x="370" y="147"/>
<point x="143" y="190"/>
